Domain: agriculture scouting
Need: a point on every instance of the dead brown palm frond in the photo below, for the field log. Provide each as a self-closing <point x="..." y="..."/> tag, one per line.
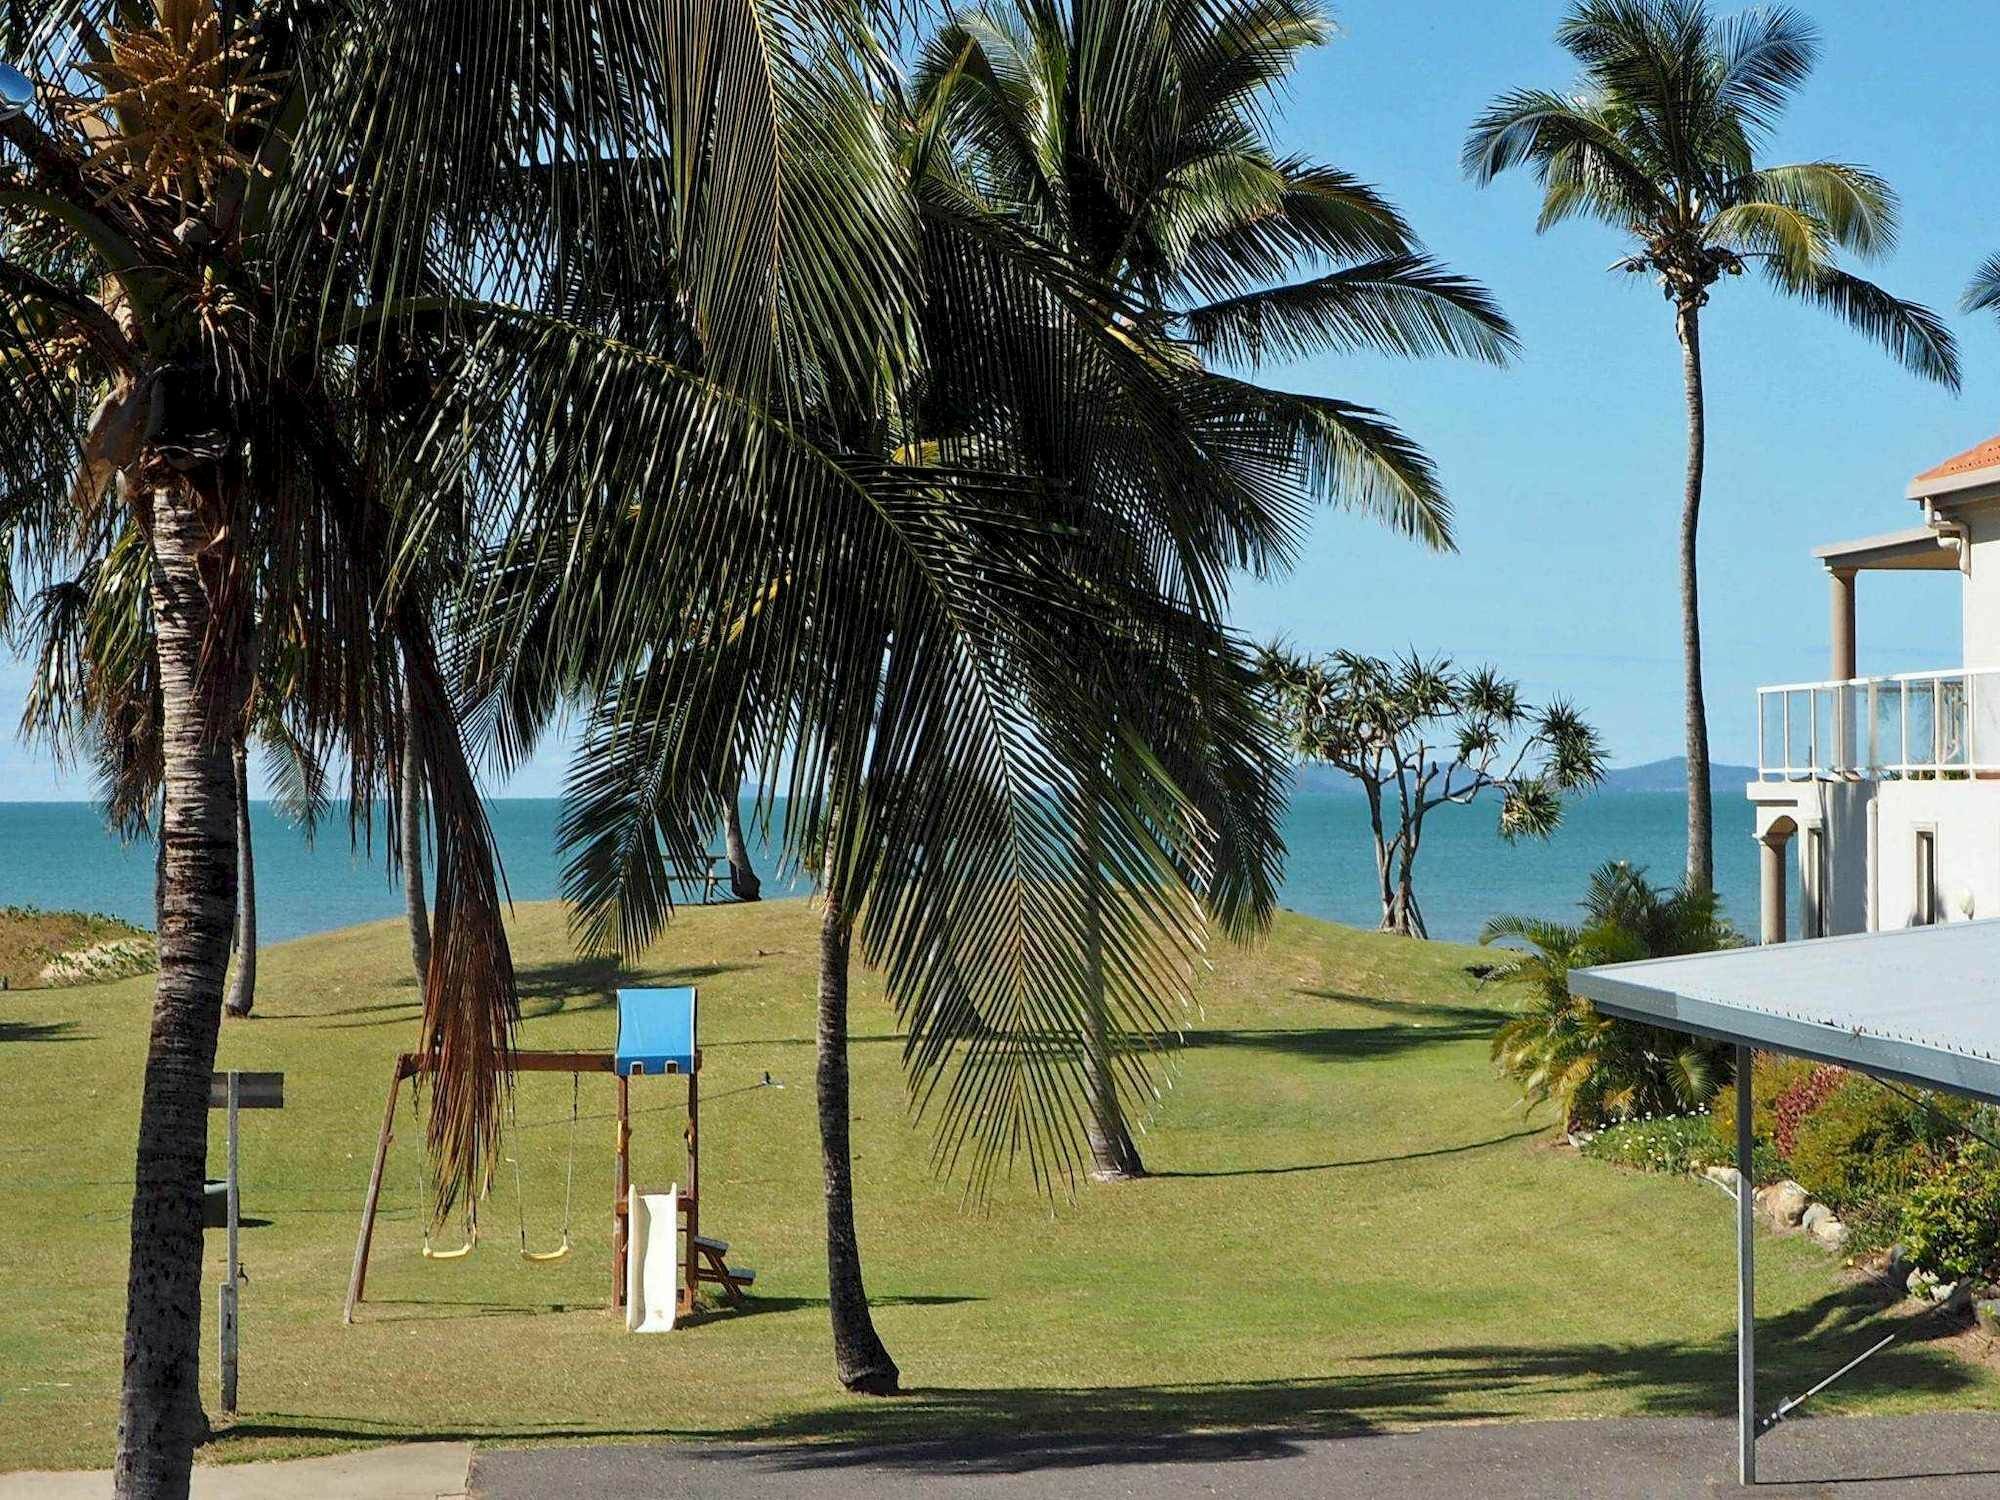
<point x="470" y="1006"/>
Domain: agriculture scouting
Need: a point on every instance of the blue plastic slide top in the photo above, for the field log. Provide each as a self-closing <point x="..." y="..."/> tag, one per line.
<point x="655" y="1031"/>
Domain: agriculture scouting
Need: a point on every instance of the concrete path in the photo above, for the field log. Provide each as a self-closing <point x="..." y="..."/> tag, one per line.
<point x="408" y="1471"/>
<point x="1652" y="1459"/>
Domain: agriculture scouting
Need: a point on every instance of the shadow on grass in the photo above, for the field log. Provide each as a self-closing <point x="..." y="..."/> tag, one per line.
<point x="41" y="1031"/>
<point x="1364" y="1161"/>
<point x="449" y="1309"/>
<point x="1475" y="1016"/>
<point x="592" y="982"/>
<point x="1056" y="1427"/>
<point x="1344" y="1043"/>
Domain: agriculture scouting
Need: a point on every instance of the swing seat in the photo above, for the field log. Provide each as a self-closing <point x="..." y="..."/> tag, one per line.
<point x="431" y="1252"/>
<point x="547" y="1257"/>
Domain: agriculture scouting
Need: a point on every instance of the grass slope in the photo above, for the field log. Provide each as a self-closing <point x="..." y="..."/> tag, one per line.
<point x="30" y="937"/>
<point x="1350" y="1228"/>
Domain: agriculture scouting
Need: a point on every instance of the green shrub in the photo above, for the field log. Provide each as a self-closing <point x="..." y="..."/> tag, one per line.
<point x="1677" y="1144"/>
<point x="1866" y="1143"/>
<point x="1950" y="1220"/>
<point x="1560" y="1049"/>
<point x="1771" y="1076"/>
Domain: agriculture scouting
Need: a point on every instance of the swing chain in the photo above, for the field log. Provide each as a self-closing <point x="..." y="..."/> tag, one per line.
<point x="569" y="1185"/>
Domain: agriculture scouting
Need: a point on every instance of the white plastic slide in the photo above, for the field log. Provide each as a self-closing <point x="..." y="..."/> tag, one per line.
<point x="652" y="1259"/>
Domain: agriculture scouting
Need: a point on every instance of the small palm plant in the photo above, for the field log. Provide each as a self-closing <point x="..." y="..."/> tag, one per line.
<point x="1560" y="1048"/>
<point x="1660" y="140"/>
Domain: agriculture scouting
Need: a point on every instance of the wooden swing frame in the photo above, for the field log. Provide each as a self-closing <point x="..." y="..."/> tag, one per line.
<point x="412" y="1065"/>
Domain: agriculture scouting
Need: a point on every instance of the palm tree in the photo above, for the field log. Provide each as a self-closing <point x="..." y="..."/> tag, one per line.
<point x="243" y="981"/>
<point x="743" y="882"/>
<point x="1660" y="141"/>
<point x="1559" y="1047"/>
<point x="1039" y="481"/>
<point x="164" y="401"/>
<point x="1133" y="141"/>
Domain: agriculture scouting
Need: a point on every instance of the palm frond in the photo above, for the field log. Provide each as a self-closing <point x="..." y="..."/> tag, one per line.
<point x="1408" y="305"/>
<point x="1912" y="334"/>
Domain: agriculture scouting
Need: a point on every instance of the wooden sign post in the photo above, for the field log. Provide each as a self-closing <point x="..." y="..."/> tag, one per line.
<point x="237" y="1091"/>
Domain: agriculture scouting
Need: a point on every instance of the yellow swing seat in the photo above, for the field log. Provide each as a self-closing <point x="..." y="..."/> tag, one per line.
<point x="561" y="1251"/>
<point x="545" y="1257"/>
<point x="459" y="1252"/>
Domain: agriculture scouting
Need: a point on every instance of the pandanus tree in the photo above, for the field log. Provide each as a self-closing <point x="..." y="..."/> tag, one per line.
<point x="1661" y="140"/>
<point x="1133" y="141"/>
<point x="1420" y="733"/>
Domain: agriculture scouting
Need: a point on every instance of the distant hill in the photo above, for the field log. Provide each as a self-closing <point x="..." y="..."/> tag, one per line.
<point x="1671" y="775"/>
<point x="1668" y="775"/>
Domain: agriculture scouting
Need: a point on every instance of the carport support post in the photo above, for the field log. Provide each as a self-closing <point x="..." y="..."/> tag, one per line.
<point x="1746" y="1274"/>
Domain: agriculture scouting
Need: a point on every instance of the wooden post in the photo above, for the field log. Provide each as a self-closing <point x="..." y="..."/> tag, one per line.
<point x="358" y="1279"/>
<point x="694" y="1184"/>
<point x="621" y="1222"/>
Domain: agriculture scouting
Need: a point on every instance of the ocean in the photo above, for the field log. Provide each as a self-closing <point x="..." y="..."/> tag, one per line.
<point x="58" y="855"/>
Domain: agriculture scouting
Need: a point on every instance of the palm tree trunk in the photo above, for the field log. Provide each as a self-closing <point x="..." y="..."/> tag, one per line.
<point x="1114" y="1156"/>
<point x="1701" y="815"/>
<point x="743" y="882"/>
<point x="412" y="831"/>
<point x="160" y="1406"/>
<point x="243" y="984"/>
<point x="859" y="1357"/>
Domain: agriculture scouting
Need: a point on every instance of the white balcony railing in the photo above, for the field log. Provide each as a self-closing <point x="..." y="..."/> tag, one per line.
<point x="1914" y="724"/>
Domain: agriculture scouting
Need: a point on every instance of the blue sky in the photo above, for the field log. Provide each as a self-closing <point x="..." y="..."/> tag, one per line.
<point x="1565" y="468"/>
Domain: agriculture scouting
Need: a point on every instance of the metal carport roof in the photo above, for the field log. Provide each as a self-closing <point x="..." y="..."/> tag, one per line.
<point x="1918" y="1005"/>
<point x="1921" y="1004"/>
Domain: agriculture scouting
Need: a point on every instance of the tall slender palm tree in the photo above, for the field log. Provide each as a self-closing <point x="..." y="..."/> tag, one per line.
<point x="1133" y="139"/>
<point x="1660" y="139"/>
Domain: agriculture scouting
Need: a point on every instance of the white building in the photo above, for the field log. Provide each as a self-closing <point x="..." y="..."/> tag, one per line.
<point x="1886" y="790"/>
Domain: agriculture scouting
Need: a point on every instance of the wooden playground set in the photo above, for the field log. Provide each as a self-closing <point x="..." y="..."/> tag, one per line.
<point x="659" y="1256"/>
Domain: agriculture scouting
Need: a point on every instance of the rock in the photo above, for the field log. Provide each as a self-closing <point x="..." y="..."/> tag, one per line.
<point x="1896" y="1270"/>
<point x="1987" y="1312"/>
<point x="1815" y="1214"/>
<point x="1831" y="1233"/>
<point x="1723" y="1177"/>
<point x="1919" y="1284"/>
<point x="1947" y="1291"/>
<point x="1783" y="1204"/>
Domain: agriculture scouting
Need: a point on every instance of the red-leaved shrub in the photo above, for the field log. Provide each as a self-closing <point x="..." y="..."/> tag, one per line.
<point x="1792" y="1107"/>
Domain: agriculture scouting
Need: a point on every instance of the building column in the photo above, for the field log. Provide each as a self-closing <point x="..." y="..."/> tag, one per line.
<point x="1841" y="635"/>
<point x="1841" y="623"/>
<point x="1771" y="881"/>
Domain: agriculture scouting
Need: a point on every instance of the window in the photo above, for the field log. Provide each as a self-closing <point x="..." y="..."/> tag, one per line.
<point x="1927" y="884"/>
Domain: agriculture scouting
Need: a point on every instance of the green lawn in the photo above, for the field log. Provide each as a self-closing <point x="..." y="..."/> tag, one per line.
<point x="1351" y="1227"/>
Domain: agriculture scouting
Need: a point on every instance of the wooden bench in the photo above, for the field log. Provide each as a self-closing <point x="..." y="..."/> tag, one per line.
<point x="710" y="877"/>
<point x="712" y="1265"/>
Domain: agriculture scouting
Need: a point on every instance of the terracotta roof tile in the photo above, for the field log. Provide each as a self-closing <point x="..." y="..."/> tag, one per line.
<point x="1984" y="456"/>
